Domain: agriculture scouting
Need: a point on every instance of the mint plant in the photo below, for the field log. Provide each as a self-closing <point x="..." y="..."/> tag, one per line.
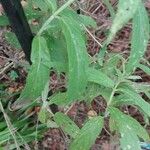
<point x="60" y="45"/>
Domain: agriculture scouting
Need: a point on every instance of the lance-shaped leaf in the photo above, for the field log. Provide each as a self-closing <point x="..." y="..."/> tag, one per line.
<point x="128" y="127"/>
<point x="126" y="11"/>
<point x="77" y="56"/>
<point x="140" y="37"/>
<point x="66" y="124"/>
<point x="99" y="77"/>
<point x="133" y="98"/>
<point x="38" y="75"/>
<point x="146" y="69"/>
<point x="88" y="134"/>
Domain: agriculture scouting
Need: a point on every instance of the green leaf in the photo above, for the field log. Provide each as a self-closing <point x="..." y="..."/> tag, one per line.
<point x="88" y="134"/>
<point x="41" y="4"/>
<point x="66" y="124"/>
<point x="39" y="72"/>
<point x="140" y="38"/>
<point x="146" y="69"/>
<point x="129" y="140"/>
<point x="54" y="15"/>
<point x="88" y="21"/>
<point x="4" y="21"/>
<point x="52" y="4"/>
<point x="125" y="122"/>
<point x="40" y="53"/>
<point x="59" y="99"/>
<point x="132" y="97"/>
<point x="110" y="8"/>
<point x="111" y="65"/>
<point x="12" y="40"/>
<point x="147" y="94"/>
<point x="77" y="56"/>
<point x="58" y="52"/>
<point x="99" y="77"/>
<point x="42" y="116"/>
<point x="126" y="11"/>
<point x="92" y="91"/>
<point x="32" y="13"/>
<point x="81" y="19"/>
<point x="45" y="115"/>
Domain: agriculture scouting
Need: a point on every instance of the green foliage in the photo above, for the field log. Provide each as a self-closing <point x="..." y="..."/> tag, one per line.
<point x="39" y="72"/>
<point x="140" y="37"/>
<point x="17" y="129"/>
<point x="146" y="69"/>
<point x="97" y="76"/>
<point x="12" y="39"/>
<point x="125" y="12"/>
<point x="60" y="45"/>
<point x="77" y="55"/>
<point x="129" y="129"/>
<point x="88" y="134"/>
<point x="4" y="21"/>
<point x="66" y="124"/>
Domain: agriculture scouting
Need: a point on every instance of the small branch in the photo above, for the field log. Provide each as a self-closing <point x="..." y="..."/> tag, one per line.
<point x="93" y="37"/>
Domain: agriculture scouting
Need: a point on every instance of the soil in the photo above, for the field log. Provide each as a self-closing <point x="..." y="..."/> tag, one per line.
<point x="12" y="59"/>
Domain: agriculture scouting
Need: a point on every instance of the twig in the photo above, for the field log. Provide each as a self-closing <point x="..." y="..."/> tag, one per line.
<point x="93" y="37"/>
<point x="6" y="67"/>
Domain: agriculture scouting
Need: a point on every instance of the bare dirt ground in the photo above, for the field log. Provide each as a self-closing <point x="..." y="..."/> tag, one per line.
<point x="13" y="59"/>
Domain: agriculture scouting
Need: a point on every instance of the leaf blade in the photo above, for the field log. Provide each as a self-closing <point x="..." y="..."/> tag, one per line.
<point x="126" y="11"/>
<point x="66" y="124"/>
<point x="135" y="98"/>
<point x="99" y="77"/>
<point x="124" y="121"/>
<point x="87" y="134"/>
<point x="140" y="38"/>
<point x="77" y="56"/>
<point x="38" y="75"/>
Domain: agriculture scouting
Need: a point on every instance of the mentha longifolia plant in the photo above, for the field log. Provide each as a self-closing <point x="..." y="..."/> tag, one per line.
<point x="60" y="45"/>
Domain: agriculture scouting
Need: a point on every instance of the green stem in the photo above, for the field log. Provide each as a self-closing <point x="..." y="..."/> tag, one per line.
<point x="44" y="27"/>
<point x="112" y="94"/>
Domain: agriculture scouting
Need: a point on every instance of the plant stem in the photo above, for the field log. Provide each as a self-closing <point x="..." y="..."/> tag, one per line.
<point x="44" y="27"/>
<point x="112" y="94"/>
